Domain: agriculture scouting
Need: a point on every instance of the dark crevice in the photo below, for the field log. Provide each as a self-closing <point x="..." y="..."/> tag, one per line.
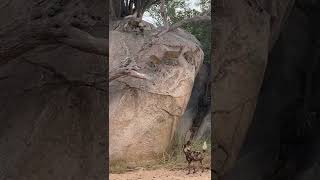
<point x="287" y="116"/>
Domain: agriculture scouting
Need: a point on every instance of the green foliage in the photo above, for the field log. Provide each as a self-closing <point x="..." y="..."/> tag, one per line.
<point x="178" y="10"/>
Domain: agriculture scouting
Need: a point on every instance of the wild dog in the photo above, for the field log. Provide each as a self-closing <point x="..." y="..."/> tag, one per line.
<point x="194" y="156"/>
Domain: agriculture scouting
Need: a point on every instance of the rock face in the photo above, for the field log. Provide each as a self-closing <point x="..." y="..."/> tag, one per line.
<point x="285" y="105"/>
<point x="53" y="126"/>
<point x="278" y="144"/>
<point x="243" y="32"/>
<point x="239" y="64"/>
<point x="143" y="114"/>
<point x="49" y="126"/>
<point x="204" y="131"/>
<point x="198" y="92"/>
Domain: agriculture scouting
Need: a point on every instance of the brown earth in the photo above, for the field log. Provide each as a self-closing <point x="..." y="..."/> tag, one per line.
<point x="161" y="174"/>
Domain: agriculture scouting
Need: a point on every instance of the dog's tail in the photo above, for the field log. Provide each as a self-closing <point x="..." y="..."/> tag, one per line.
<point x="204" y="147"/>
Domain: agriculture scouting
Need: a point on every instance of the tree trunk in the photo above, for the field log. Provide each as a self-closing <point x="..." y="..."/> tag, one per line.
<point x="121" y="8"/>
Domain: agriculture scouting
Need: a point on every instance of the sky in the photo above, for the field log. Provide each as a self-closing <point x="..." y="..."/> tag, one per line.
<point x="192" y="3"/>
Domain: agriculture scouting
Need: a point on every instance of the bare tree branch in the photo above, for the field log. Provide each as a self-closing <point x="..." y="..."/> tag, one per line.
<point x="164" y="14"/>
<point x="149" y="3"/>
<point x="61" y="79"/>
<point x="83" y="41"/>
<point x="71" y="83"/>
<point x="61" y="23"/>
<point x="128" y="67"/>
<point x="195" y="19"/>
<point x="127" y="72"/>
<point x="15" y="41"/>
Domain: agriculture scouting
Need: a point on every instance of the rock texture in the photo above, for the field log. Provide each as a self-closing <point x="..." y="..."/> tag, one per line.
<point x="143" y="114"/>
<point x="204" y="131"/>
<point x="278" y="136"/>
<point x="53" y="118"/>
<point x="198" y="94"/>
<point x="244" y="31"/>
<point x="279" y="144"/>
<point x="52" y="129"/>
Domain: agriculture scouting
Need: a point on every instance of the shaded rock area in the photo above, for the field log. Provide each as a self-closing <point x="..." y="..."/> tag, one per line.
<point x="198" y="105"/>
<point x="143" y="114"/>
<point x="282" y="141"/>
<point x="52" y="99"/>
<point x="241" y="40"/>
<point x="204" y="131"/>
<point x="49" y="125"/>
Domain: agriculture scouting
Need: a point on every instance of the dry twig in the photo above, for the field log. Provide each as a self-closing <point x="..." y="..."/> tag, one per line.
<point x="195" y="19"/>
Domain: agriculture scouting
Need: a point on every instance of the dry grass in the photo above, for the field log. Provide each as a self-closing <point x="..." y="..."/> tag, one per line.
<point x="173" y="158"/>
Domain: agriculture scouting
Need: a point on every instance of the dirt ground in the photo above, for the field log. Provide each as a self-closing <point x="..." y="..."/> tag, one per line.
<point x="161" y="174"/>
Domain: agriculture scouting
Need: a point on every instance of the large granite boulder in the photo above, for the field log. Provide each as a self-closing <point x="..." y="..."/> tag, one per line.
<point x="143" y="114"/>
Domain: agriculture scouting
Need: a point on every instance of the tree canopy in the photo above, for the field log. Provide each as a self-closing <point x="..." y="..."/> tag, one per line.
<point x="122" y="8"/>
<point x="178" y="10"/>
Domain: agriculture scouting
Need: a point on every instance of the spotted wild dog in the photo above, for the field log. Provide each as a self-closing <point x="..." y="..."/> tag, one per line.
<point x="192" y="155"/>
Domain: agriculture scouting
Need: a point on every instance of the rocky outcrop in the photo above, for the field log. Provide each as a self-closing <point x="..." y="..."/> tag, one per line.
<point x="204" y="131"/>
<point x="192" y="110"/>
<point x="278" y="143"/>
<point x="49" y="124"/>
<point x="53" y="98"/>
<point x="278" y="132"/>
<point x="144" y="113"/>
<point x="244" y="32"/>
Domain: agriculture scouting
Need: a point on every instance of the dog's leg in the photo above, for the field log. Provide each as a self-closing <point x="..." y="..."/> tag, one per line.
<point x="194" y="168"/>
<point x="202" y="167"/>
<point x="189" y="163"/>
